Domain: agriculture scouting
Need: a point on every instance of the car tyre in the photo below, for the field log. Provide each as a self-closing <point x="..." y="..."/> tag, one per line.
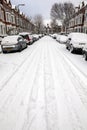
<point x="71" y="49"/>
<point x="20" y="48"/>
<point x="85" y="56"/>
<point x="4" y="51"/>
<point x="67" y="47"/>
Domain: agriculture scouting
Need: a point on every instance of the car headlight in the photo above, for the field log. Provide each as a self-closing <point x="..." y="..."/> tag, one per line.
<point x="16" y="45"/>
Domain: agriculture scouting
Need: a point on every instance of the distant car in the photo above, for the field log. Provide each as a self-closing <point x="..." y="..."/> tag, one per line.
<point x="35" y="37"/>
<point x="58" y="38"/>
<point x="27" y="36"/>
<point x="76" y="41"/>
<point x="13" y="43"/>
<point x="40" y="35"/>
<point x="54" y="36"/>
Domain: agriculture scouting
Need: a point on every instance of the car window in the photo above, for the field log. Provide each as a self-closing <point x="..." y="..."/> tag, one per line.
<point x="20" y="39"/>
<point x="25" y="36"/>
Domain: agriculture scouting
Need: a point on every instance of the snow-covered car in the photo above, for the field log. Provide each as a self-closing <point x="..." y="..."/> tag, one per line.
<point x="27" y="36"/>
<point x="13" y="43"/>
<point x="40" y="35"/>
<point x="35" y="37"/>
<point x="54" y="36"/>
<point x="76" y="41"/>
<point x="58" y="38"/>
<point x="63" y="39"/>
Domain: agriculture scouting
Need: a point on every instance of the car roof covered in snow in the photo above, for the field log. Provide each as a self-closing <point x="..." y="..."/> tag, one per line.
<point x="80" y="37"/>
<point x="10" y="39"/>
<point x="24" y="33"/>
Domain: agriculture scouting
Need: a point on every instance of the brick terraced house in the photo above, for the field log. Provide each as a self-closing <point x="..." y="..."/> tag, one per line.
<point x="12" y="20"/>
<point x="78" y="22"/>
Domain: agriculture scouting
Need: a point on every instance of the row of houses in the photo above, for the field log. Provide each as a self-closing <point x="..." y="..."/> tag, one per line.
<point x="12" y="20"/>
<point x="78" y="22"/>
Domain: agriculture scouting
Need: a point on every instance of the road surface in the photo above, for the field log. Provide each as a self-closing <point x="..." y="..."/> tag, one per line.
<point x="42" y="88"/>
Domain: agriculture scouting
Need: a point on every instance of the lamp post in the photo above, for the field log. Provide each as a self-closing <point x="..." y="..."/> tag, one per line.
<point x="19" y="5"/>
<point x="19" y="15"/>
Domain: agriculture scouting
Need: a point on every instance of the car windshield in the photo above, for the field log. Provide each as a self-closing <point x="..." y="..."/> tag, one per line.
<point x="25" y="37"/>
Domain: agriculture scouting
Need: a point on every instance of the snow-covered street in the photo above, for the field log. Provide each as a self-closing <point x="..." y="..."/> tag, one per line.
<point x="44" y="87"/>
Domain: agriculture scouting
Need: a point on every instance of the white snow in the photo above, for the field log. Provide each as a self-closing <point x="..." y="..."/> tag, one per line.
<point x="43" y="88"/>
<point x="63" y="38"/>
<point x="78" y="37"/>
<point x="10" y="40"/>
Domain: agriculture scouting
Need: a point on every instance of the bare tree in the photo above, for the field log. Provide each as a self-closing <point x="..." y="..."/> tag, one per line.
<point x="55" y="27"/>
<point x="57" y="11"/>
<point x="38" y="21"/>
<point x="62" y="12"/>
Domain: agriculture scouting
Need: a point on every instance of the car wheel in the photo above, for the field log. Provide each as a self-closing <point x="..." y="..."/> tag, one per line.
<point x="4" y="52"/>
<point x="85" y="56"/>
<point x="71" y="49"/>
<point x="67" y="47"/>
<point x="20" y="48"/>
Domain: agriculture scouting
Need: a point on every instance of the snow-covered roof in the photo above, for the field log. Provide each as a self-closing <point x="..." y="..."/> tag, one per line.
<point x="7" y="1"/>
<point x="21" y="12"/>
<point x="13" y="6"/>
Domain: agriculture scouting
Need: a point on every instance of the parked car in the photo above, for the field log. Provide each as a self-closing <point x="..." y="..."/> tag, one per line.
<point x="1" y="37"/>
<point x="27" y="36"/>
<point x="35" y="37"/>
<point x="58" y="37"/>
<point x="63" y="39"/>
<point x="76" y="41"/>
<point x="13" y="43"/>
<point x="40" y="35"/>
<point x="54" y="36"/>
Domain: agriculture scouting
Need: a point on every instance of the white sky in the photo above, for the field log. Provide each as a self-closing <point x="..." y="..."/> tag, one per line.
<point x="43" y="7"/>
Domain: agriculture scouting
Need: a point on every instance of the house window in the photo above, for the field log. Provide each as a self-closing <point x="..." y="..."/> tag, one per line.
<point x="12" y="19"/>
<point x="80" y="20"/>
<point x="8" y="17"/>
<point x="0" y="13"/>
<point x="86" y="16"/>
<point x="1" y="29"/>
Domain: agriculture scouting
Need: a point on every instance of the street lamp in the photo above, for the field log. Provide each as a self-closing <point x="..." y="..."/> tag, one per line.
<point x="19" y="15"/>
<point x="17" y="6"/>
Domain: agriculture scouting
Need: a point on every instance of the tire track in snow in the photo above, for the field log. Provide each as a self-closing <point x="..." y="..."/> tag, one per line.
<point x="8" y="78"/>
<point x="77" y="78"/>
<point x="76" y="113"/>
<point x="35" y="116"/>
<point x="8" y="100"/>
<point x="42" y="112"/>
<point x="50" y="100"/>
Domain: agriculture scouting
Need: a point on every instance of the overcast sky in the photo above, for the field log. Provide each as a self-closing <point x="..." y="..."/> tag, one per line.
<point x="43" y="7"/>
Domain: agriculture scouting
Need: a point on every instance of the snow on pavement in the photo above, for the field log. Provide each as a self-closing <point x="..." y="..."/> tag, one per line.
<point x="42" y="89"/>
